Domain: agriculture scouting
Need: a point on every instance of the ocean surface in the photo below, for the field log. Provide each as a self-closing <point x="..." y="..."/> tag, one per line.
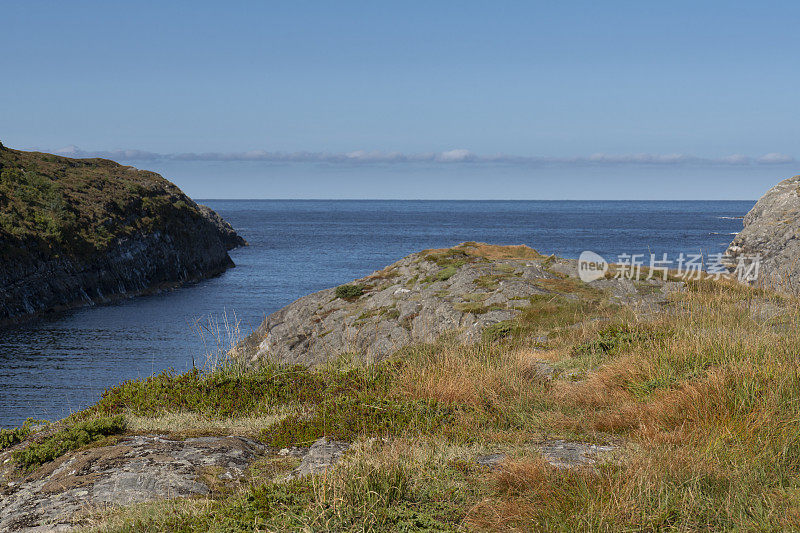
<point x="64" y="362"/>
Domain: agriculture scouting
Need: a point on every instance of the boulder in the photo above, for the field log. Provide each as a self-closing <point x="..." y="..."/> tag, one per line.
<point x="772" y="231"/>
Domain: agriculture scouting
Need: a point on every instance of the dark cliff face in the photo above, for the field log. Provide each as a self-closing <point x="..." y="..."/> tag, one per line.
<point x="76" y="232"/>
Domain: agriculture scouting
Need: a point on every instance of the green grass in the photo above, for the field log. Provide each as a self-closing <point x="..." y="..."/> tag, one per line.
<point x="344" y="402"/>
<point x="220" y="394"/>
<point x="617" y="337"/>
<point x="354" y="415"/>
<point x="491" y="281"/>
<point x="500" y="330"/>
<point x="445" y="273"/>
<point x="385" y="493"/>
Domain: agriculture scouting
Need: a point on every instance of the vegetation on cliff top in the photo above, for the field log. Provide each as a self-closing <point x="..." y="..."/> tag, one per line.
<point x="79" y="206"/>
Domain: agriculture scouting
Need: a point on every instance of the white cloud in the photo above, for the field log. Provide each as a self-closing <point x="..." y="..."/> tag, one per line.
<point x="455" y="156"/>
<point x="69" y="151"/>
<point x="735" y="159"/>
<point x="774" y="158"/>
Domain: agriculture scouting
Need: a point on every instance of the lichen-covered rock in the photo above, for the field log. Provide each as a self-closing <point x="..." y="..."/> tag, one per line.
<point x="137" y="469"/>
<point x="459" y="291"/>
<point x="320" y="457"/>
<point x="772" y="231"/>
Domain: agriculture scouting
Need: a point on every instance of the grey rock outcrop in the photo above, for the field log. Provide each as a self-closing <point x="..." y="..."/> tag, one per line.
<point x="772" y="231"/>
<point x="460" y="291"/>
<point x="320" y="457"/>
<point x="566" y="454"/>
<point x="560" y="454"/>
<point x="137" y="469"/>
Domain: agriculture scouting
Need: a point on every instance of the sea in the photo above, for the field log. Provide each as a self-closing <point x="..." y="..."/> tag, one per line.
<point x="61" y="363"/>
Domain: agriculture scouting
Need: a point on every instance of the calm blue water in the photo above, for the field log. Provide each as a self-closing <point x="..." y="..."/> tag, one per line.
<point x="63" y="363"/>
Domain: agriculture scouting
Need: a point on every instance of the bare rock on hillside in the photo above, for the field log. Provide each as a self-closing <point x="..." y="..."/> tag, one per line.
<point x="569" y="454"/>
<point x="459" y="291"/>
<point x="137" y="469"/>
<point x="772" y="230"/>
<point x="226" y="232"/>
<point x="320" y="457"/>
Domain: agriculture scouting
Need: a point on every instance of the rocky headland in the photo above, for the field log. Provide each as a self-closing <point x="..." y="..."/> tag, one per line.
<point x="469" y="292"/>
<point x="75" y="232"/>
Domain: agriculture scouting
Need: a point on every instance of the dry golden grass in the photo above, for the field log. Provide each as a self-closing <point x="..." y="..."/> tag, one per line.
<point x="470" y="376"/>
<point x="189" y="423"/>
<point x="489" y="251"/>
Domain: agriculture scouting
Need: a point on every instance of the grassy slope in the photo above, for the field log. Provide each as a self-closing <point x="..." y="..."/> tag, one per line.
<point x="79" y="206"/>
<point x="706" y="405"/>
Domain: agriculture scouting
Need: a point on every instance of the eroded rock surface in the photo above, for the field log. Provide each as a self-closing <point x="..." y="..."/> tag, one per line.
<point x="320" y="457"/>
<point x="566" y="454"/>
<point x="459" y="291"/>
<point x="229" y="237"/>
<point x="137" y="469"/>
<point x="559" y="454"/>
<point x="772" y="230"/>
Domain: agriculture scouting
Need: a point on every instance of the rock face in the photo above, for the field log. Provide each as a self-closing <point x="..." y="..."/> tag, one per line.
<point x="460" y="291"/>
<point x="772" y="230"/>
<point x="224" y="229"/>
<point x="77" y="232"/>
<point x="137" y="469"/>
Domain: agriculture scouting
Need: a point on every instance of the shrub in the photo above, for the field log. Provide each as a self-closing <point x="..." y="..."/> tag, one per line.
<point x="349" y="416"/>
<point x="498" y="331"/>
<point x="446" y="273"/>
<point x="10" y="437"/>
<point x="349" y="292"/>
<point x="68" y="439"/>
<point x="219" y="394"/>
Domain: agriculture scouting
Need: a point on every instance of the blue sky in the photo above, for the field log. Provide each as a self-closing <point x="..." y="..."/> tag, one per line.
<point x="547" y="100"/>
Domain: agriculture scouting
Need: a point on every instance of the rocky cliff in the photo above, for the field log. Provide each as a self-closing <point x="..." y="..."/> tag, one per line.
<point x="772" y="231"/>
<point x="80" y="231"/>
<point x="473" y="291"/>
